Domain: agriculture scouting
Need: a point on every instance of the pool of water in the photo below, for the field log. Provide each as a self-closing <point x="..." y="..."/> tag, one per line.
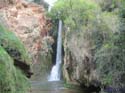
<point x="51" y="87"/>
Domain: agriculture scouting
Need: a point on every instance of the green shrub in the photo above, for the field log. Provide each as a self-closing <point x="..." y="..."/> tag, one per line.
<point x="12" y="80"/>
<point x="13" y="45"/>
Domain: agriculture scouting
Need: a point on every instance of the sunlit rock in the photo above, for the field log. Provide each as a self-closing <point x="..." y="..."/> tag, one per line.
<point x="28" y="21"/>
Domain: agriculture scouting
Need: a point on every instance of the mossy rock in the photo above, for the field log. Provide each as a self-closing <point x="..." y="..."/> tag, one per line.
<point x="12" y="80"/>
<point x="12" y="45"/>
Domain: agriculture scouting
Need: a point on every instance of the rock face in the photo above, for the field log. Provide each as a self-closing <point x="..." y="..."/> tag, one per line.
<point x="15" y="49"/>
<point x="29" y="23"/>
<point x="4" y="3"/>
<point x="78" y="66"/>
<point x="93" y="46"/>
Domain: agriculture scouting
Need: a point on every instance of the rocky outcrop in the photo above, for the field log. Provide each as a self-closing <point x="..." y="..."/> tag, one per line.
<point x="5" y="3"/>
<point x="15" y="49"/>
<point x="29" y="23"/>
<point x="93" y="45"/>
<point x="78" y="66"/>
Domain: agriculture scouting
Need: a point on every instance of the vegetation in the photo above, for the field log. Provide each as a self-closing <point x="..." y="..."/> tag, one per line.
<point x="102" y="24"/>
<point x="93" y="28"/>
<point x="12" y="79"/>
<point x="13" y="45"/>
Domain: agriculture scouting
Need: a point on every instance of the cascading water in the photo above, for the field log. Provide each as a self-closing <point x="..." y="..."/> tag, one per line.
<point x="55" y="72"/>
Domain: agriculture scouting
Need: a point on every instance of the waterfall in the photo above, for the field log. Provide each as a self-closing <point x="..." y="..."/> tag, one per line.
<point x="56" y="72"/>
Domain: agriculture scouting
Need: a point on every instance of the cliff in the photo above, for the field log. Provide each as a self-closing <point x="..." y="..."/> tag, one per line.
<point x="29" y="23"/>
<point x="93" y="42"/>
<point x="25" y="45"/>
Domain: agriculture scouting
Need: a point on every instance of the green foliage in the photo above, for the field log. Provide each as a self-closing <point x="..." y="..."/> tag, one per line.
<point x="101" y="24"/>
<point x="73" y="10"/>
<point x="11" y="79"/>
<point x="122" y="9"/>
<point x="13" y="45"/>
<point x="109" y="5"/>
<point x="42" y="2"/>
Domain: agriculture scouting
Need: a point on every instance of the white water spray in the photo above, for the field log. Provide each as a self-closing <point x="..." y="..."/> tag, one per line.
<point x="56" y="72"/>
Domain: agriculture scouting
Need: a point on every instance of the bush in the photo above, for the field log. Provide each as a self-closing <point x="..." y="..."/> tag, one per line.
<point x="12" y="80"/>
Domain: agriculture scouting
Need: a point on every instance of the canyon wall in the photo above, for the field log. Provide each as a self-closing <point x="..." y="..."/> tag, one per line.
<point x="93" y="42"/>
<point x="30" y="24"/>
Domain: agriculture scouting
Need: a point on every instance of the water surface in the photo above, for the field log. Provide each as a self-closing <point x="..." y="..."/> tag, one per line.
<point x="51" y="87"/>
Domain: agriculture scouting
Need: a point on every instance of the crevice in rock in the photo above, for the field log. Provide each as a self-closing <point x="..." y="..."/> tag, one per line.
<point x="24" y="67"/>
<point x="94" y="87"/>
<point x="54" y="33"/>
<point x="91" y="89"/>
<point x="54" y="47"/>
